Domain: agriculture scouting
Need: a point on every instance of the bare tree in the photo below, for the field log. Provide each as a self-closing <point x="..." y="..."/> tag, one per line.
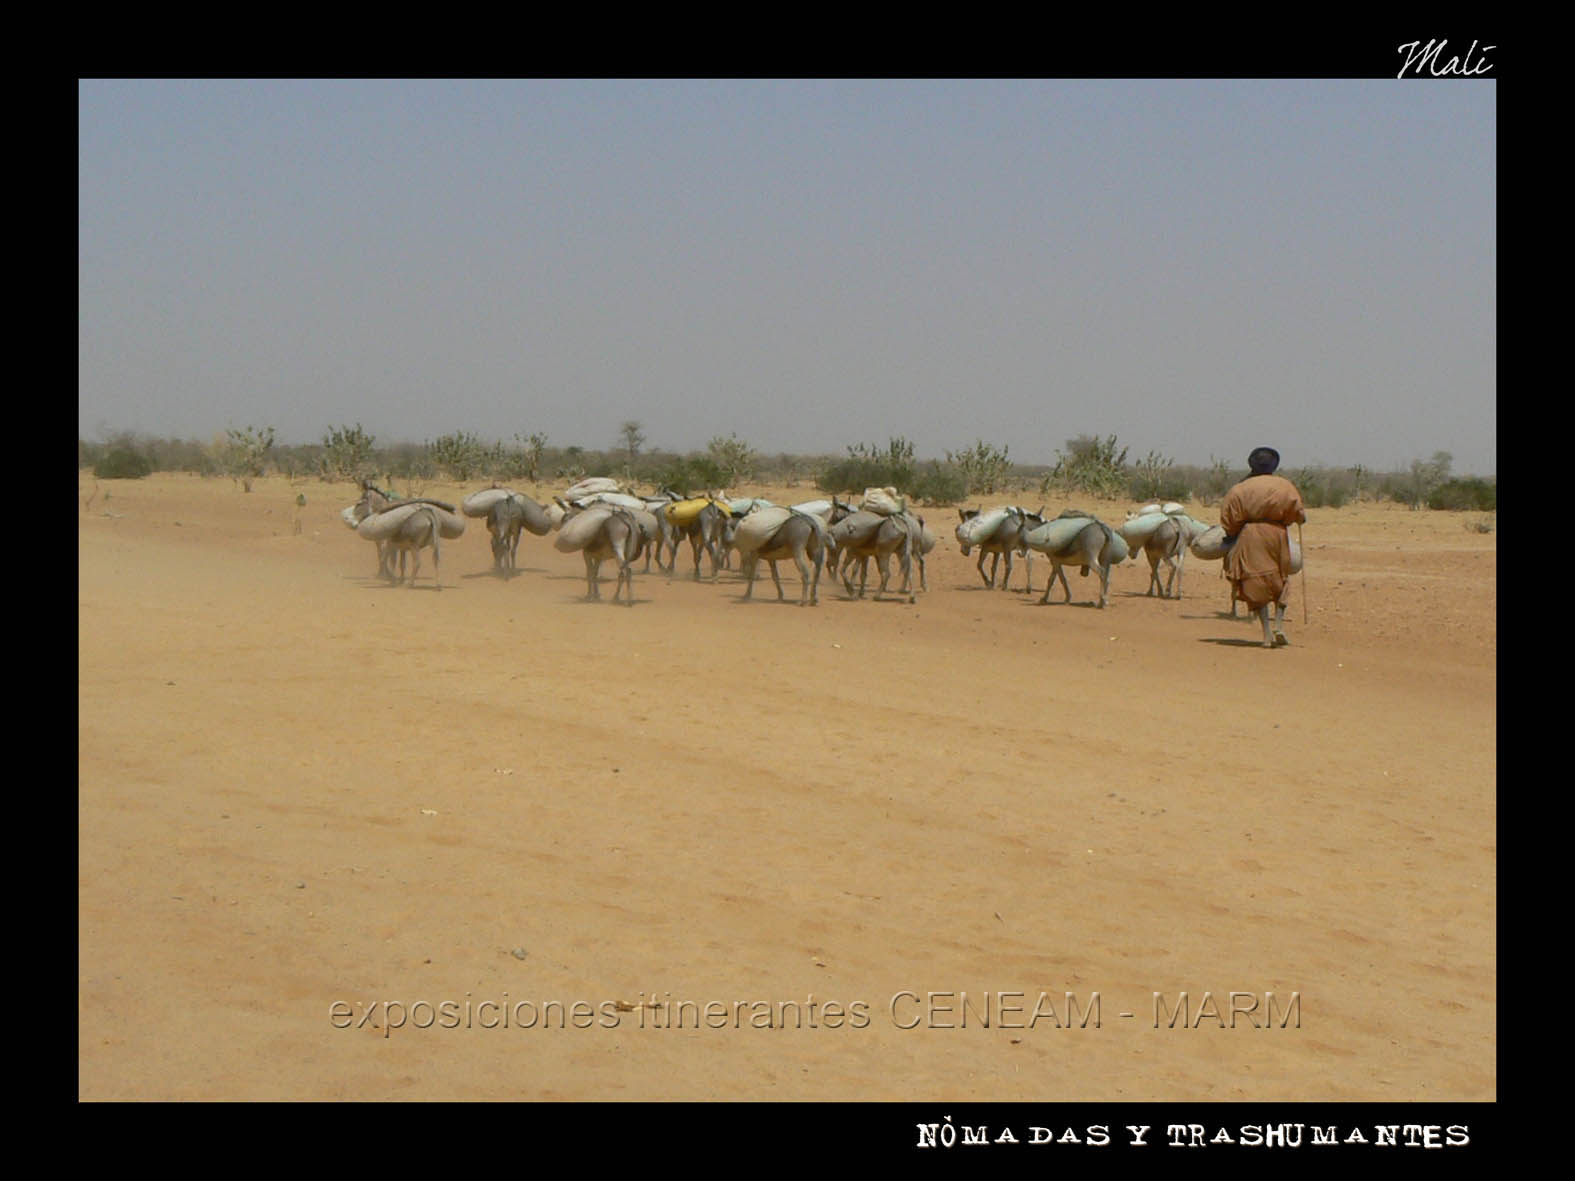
<point x="532" y="449"/>
<point x="632" y="438"/>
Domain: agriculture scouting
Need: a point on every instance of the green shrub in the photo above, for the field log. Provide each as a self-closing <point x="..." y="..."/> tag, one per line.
<point x="1468" y="493"/>
<point x="346" y="454"/>
<point x="462" y="455"/>
<point x="1167" y="486"/>
<point x="1322" y="494"/>
<point x="244" y="455"/>
<point x="940" y="484"/>
<point x="868" y="467"/>
<point x="852" y="475"/>
<point x="1151" y="477"/>
<point x="122" y="463"/>
<point x="689" y="475"/>
<point x="734" y="459"/>
<point x="1426" y="476"/>
<point x="983" y="467"/>
<point x="1092" y="465"/>
<point x="1219" y="479"/>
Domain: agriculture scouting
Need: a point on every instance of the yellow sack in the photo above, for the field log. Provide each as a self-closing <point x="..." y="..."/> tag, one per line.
<point x="681" y="512"/>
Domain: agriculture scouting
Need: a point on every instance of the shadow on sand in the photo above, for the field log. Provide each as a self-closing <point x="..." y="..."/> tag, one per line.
<point x="507" y="575"/>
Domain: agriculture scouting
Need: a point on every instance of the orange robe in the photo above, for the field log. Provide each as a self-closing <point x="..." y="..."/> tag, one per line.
<point x="1256" y="513"/>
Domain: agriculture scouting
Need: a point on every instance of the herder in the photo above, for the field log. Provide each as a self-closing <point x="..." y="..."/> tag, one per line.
<point x="1256" y="514"/>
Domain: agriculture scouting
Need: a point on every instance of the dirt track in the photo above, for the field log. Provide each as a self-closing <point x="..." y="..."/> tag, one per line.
<point x="300" y="787"/>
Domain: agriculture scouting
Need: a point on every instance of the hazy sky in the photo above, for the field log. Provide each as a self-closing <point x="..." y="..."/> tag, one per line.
<point x="1198" y="267"/>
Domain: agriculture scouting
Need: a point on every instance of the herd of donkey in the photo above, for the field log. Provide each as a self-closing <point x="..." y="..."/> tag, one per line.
<point x="600" y="520"/>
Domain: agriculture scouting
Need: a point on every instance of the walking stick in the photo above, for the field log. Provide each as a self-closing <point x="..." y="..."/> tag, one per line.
<point x="1303" y="548"/>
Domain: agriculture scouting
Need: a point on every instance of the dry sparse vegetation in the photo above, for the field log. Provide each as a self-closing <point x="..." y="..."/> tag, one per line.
<point x="1089" y="465"/>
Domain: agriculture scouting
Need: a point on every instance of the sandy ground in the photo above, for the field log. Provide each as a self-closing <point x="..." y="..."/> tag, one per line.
<point x="340" y="840"/>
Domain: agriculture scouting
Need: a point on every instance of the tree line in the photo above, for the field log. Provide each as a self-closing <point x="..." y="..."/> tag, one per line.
<point x="1092" y="465"/>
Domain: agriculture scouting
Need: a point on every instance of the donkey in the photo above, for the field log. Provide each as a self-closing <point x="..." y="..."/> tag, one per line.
<point x="1094" y="547"/>
<point x="505" y="521"/>
<point x="706" y="532"/>
<point x="1005" y="541"/>
<point x="865" y="525"/>
<point x="801" y="537"/>
<point x="405" y="529"/>
<point x="420" y="531"/>
<point x="897" y="534"/>
<point x="667" y="534"/>
<point x="373" y="501"/>
<point x="617" y="536"/>
<point x="1167" y="544"/>
<point x="923" y="539"/>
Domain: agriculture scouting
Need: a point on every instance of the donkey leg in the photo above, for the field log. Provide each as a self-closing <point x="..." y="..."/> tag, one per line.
<point x="625" y="580"/>
<point x="803" y="577"/>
